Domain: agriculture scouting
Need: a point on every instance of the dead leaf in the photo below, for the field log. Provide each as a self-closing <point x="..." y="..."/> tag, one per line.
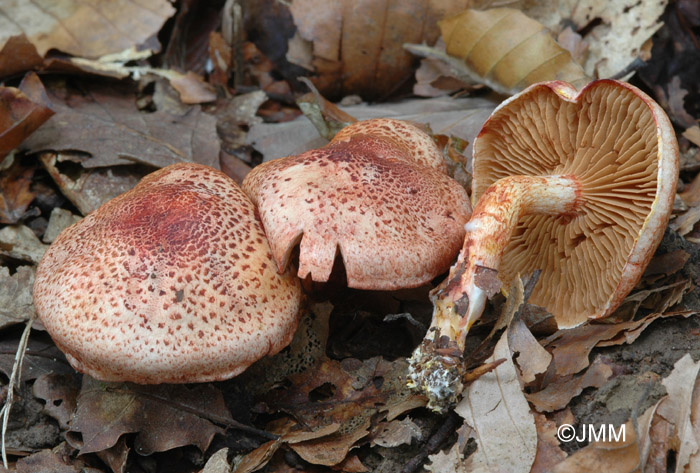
<point x="615" y="33"/>
<point x="193" y="89"/>
<point x="41" y="357"/>
<point x="164" y="416"/>
<point x="395" y="433"/>
<point x="218" y="462"/>
<point x="59" y="220"/>
<point x="532" y="358"/>
<point x="462" y="118"/>
<point x="506" y="50"/>
<point x="504" y="428"/>
<point x="60" y="391"/>
<point x="326" y="116"/>
<point x="16" y="303"/>
<point x="356" y="48"/>
<point x="47" y="461"/>
<point x="73" y="27"/>
<point x="676" y="409"/>
<point x="20" y="116"/>
<point x="15" y="193"/>
<point x="558" y="393"/>
<point x="102" y="120"/>
<point x="549" y="454"/>
<point x="330" y="450"/>
<point x="692" y="134"/>
<point x="570" y="348"/>
<point x="20" y="242"/>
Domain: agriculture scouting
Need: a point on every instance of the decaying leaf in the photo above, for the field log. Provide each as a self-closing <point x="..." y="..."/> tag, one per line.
<point x="549" y="453"/>
<point x="15" y="193"/>
<point x="103" y="120"/>
<point x="615" y="33"/>
<point x="532" y="358"/>
<point x="16" y="303"/>
<point x="356" y="47"/>
<point x="59" y="220"/>
<point x="20" y="242"/>
<point x="557" y="394"/>
<point x="19" y="117"/>
<point x="89" y="188"/>
<point x="75" y="28"/>
<point x="495" y="407"/>
<point x="164" y="416"/>
<point x="570" y="348"/>
<point x="506" y="50"/>
<point x="395" y="433"/>
<point x="60" y="391"/>
<point x="41" y="357"/>
<point x="677" y="410"/>
<point x="462" y="118"/>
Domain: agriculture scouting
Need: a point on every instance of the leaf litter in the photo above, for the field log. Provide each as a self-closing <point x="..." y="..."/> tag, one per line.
<point x="336" y="398"/>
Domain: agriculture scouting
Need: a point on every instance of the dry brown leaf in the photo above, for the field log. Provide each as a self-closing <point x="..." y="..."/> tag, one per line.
<point x="549" y="454"/>
<point x="59" y="220"/>
<point x="571" y="348"/>
<point x="16" y="303"/>
<point x="504" y="428"/>
<point x="165" y="416"/>
<point x="357" y="47"/>
<point x="395" y="433"/>
<point x="506" y="50"/>
<point x="87" y="189"/>
<point x="20" y="115"/>
<point x="60" y="391"/>
<point x="694" y="461"/>
<point x="330" y="450"/>
<point x="218" y="462"/>
<point x="676" y="408"/>
<point x="557" y="394"/>
<point x="692" y="134"/>
<point x="41" y="357"/>
<point x="616" y="32"/>
<point x="462" y="118"/>
<point x="76" y="28"/>
<point x="532" y="358"/>
<point x="103" y="120"/>
<point x="20" y="242"/>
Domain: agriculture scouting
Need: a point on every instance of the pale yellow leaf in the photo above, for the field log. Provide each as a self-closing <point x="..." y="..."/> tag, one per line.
<point x="504" y="428"/>
<point x="508" y="50"/>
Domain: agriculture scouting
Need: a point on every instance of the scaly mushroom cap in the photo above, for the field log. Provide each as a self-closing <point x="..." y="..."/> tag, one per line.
<point x="621" y="148"/>
<point x="396" y="223"/>
<point x="170" y="282"/>
<point x="405" y="141"/>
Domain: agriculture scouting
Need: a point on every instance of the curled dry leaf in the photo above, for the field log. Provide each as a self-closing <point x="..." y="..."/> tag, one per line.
<point x="73" y="27"/>
<point x="19" y="242"/>
<point x="508" y="51"/>
<point x="165" y="416"/>
<point x="549" y="453"/>
<point x="20" y="115"/>
<point x="357" y="47"/>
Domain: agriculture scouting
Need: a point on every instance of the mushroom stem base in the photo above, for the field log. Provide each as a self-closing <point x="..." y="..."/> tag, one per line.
<point x="460" y="300"/>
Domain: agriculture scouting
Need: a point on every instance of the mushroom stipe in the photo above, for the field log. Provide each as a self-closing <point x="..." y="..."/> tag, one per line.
<point x="579" y="185"/>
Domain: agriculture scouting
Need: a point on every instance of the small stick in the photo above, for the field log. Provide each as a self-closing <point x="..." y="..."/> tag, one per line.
<point x="14" y="380"/>
<point x="434" y="442"/>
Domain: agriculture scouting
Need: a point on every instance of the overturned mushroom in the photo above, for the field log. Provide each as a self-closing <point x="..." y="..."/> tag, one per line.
<point x="170" y="282"/>
<point x="577" y="185"/>
<point x="377" y="194"/>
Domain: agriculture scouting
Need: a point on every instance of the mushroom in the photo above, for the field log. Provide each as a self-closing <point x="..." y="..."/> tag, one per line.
<point x="170" y="282"/>
<point x="577" y="185"/>
<point x="377" y="194"/>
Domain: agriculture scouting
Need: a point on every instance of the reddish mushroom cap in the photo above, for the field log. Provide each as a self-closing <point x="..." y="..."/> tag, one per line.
<point x="396" y="223"/>
<point x="405" y="141"/>
<point x="170" y="282"/>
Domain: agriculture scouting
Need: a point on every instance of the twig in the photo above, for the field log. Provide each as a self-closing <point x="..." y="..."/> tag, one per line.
<point x="14" y="380"/>
<point x="434" y="442"/>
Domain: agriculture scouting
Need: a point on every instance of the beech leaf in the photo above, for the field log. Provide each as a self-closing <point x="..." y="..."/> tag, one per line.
<point x="506" y="50"/>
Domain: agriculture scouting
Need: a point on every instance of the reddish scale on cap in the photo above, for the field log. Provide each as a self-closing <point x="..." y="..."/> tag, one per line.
<point x="396" y="223"/>
<point x="404" y="141"/>
<point x="170" y="282"/>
